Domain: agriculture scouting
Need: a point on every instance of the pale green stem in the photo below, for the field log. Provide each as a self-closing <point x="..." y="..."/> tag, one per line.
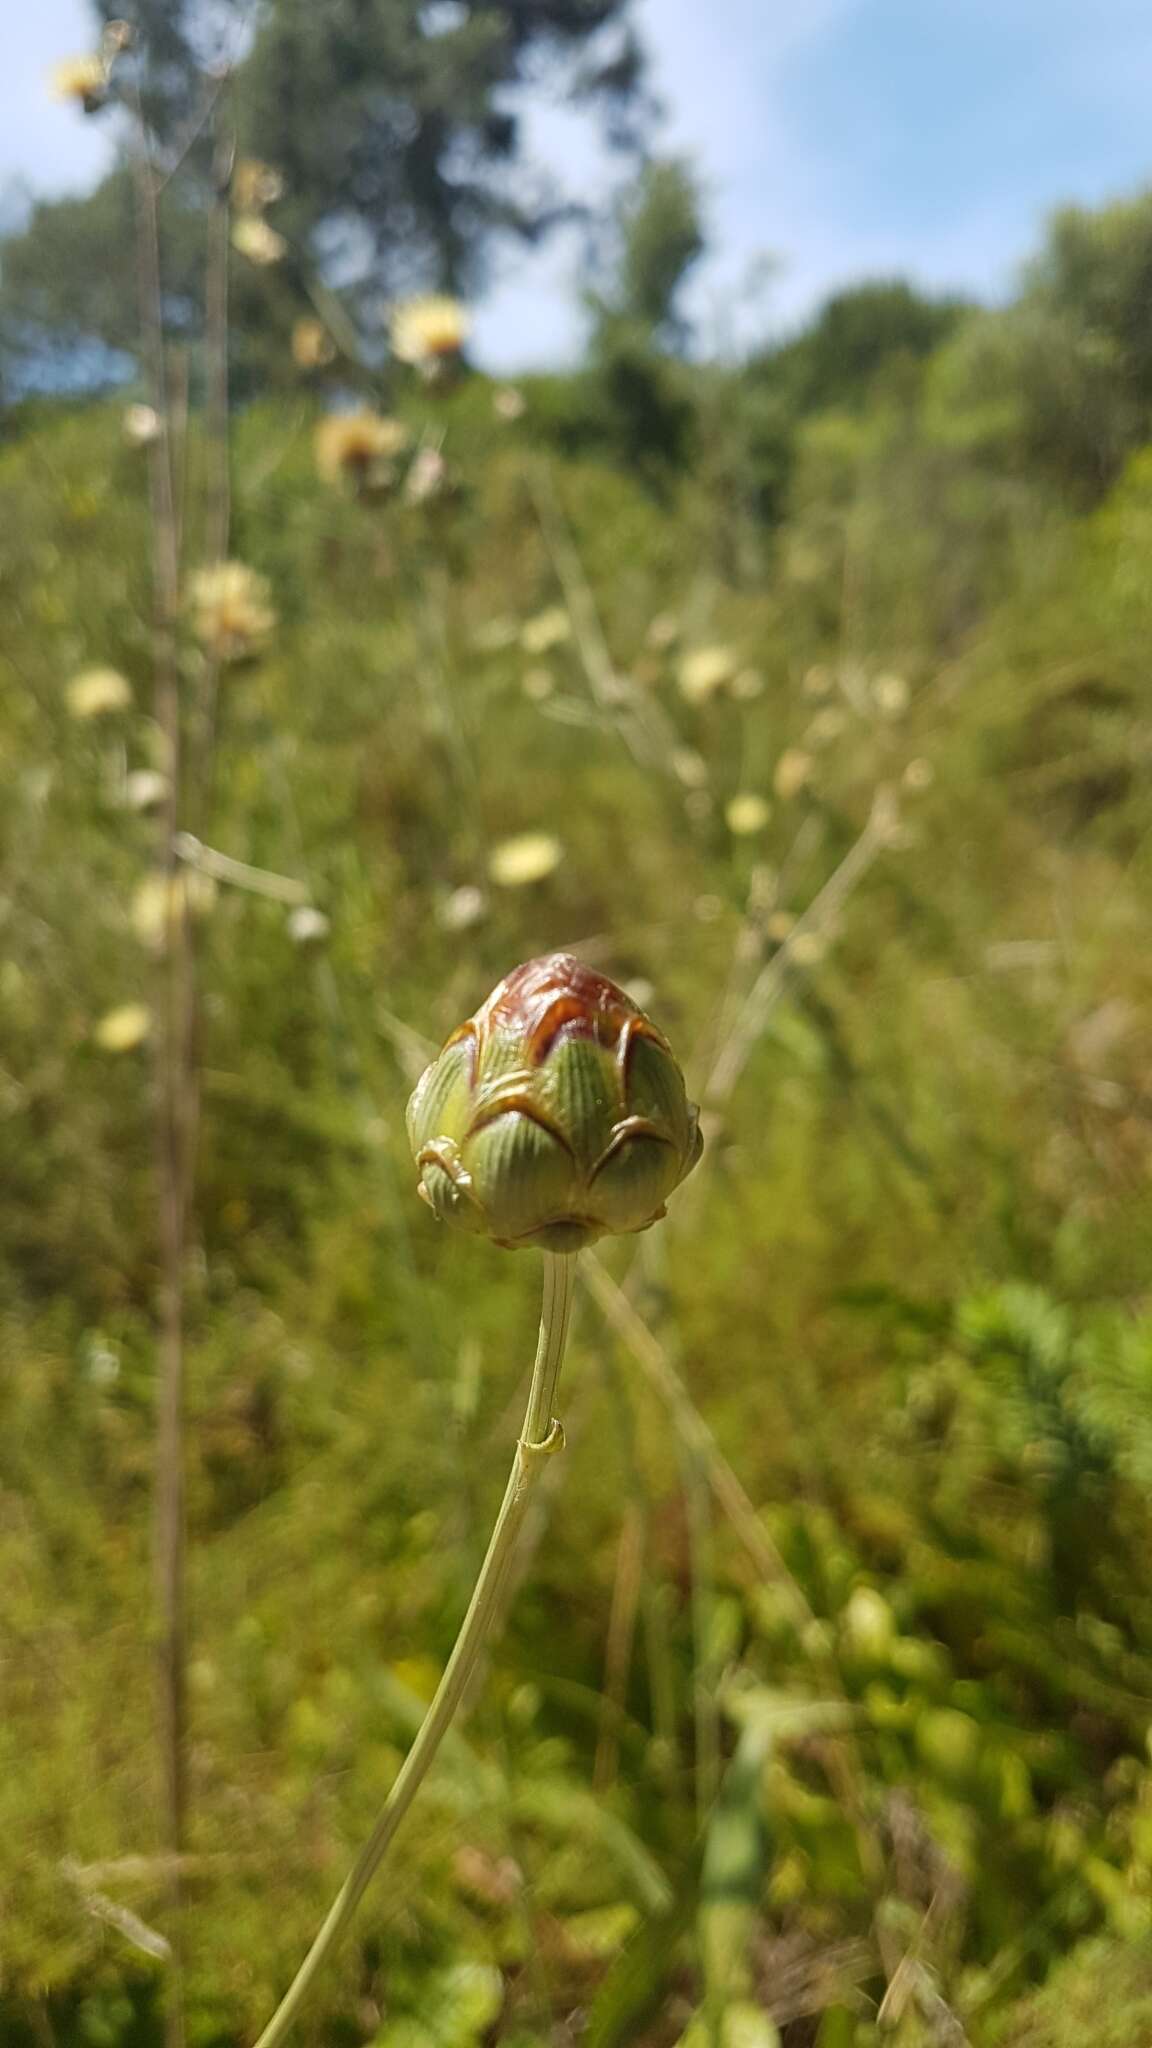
<point x="540" y="1437"/>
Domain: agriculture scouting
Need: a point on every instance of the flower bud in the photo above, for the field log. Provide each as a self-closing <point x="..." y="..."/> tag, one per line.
<point x="555" y="1116"/>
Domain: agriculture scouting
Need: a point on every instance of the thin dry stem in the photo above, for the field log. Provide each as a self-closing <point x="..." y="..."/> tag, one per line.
<point x="218" y="510"/>
<point x="173" y="1042"/>
<point x="772" y="978"/>
<point x="640" y="723"/>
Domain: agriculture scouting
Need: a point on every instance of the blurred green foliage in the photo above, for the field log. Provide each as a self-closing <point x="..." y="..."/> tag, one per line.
<point x="896" y="1787"/>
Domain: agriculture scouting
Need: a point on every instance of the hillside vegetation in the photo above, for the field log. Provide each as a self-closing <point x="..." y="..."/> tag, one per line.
<point x="821" y="1715"/>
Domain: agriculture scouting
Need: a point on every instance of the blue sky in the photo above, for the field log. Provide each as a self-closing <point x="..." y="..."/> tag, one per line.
<point x="840" y="138"/>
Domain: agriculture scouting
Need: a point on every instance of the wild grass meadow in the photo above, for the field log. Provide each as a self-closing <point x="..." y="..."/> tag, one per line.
<point x="807" y="698"/>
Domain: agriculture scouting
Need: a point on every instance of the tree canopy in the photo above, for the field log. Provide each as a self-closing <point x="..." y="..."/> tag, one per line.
<point x="397" y="127"/>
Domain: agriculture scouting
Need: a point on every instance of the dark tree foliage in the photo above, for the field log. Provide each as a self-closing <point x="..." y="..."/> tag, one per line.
<point x="863" y="342"/>
<point x="1059" y="384"/>
<point x="174" y="43"/>
<point x="636" y="391"/>
<point x="396" y="127"/>
<point x="859" y="336"/>
<point x="660" y="237"/>
<point x="52" y="293"/>
<point x="69" y="307"/>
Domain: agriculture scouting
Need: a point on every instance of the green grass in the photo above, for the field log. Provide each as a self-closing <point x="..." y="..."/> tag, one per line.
<point x="907" y="1288"/>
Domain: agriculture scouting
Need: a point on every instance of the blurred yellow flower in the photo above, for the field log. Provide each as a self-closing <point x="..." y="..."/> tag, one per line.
<point x="462" y="909"/>
<point x="547" y="630"/>
<point x="747" y="813"/>
<point x="308" y="926"/>
<point x="793" y="770"/>
<point x="509" y="404"/>
<point x="818" y="681"/>
<point x="362" y="448"/>
<point x="160" y="900"/>
<point x="253" y="237"/>
<point x="144" y="789"/>
<point x="82" y="79"/>
<point x="231" y="613"/>
<point x="429" y="332"/>
<point x="891" y="695"/>
<point x="529" y="857"/>
<point x="704" y="671"/>
<point x="97" y="691"/>
<point x="312" y="345"/>
<point x="868" y="1624"/>
<point x="808" y="948"/>
<point x="255" y="185"/>
<point x="140" y="425"/>
<point x="123" y="1029"/>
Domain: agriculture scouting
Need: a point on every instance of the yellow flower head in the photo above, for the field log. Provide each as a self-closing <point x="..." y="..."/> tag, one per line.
<point x="253" y="237"/>
<point x="361" y="448"/>
<point x="891" y="695"/>
<point x="808" y="948"/>
<point x="308" y="926"/>
<point x="82" y="80"/>
<point x="793" y="770"/>
<point x="509" y="404"/>
<point x="527" y="858"/>
<point x="123" y="1029"/>
<point x="255" y="185"/>
<point x="747" y="813"/>
<point x="232" y="615"/>
<point x="141" y="426"/>
<point x="312" y="345"/>
<point x="160" y="901"/>
<point x="704" y="671"/>
<point x="144" y="789"/>
<point x="462" y="909"/>
<point x="97" y="691"/>
<point x="549" y="629"/>
<point x="429" y="333"/>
